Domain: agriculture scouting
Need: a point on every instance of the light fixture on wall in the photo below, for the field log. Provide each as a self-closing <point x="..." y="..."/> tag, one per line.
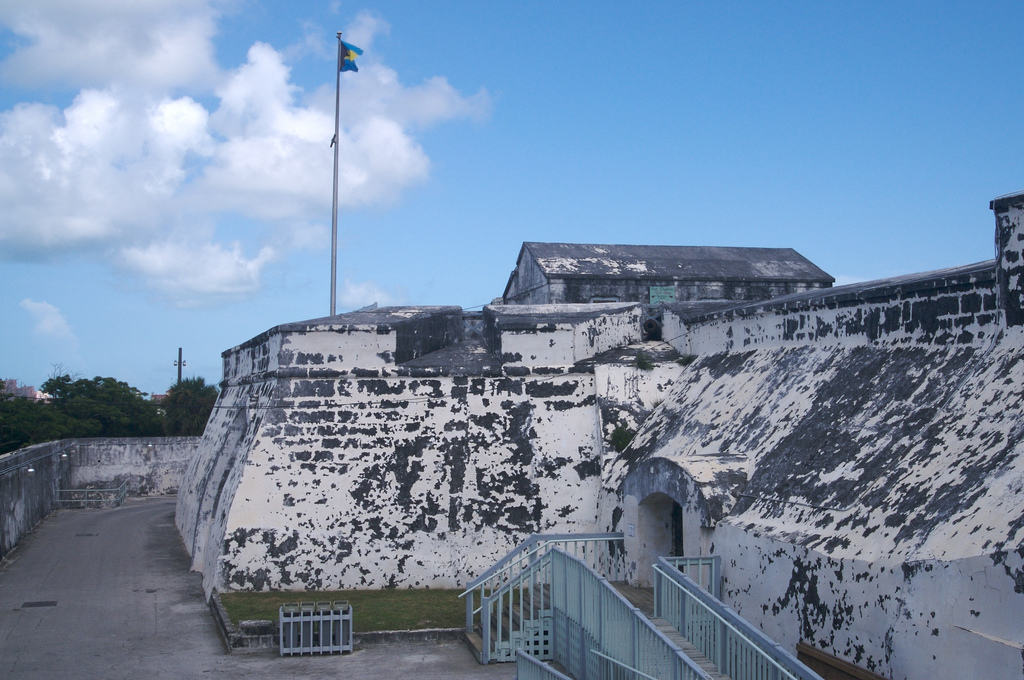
<point x="31" y="470"/>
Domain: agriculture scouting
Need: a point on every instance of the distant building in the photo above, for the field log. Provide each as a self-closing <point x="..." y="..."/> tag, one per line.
<point x="12" y="388"/>
<point x="558" y="273"/>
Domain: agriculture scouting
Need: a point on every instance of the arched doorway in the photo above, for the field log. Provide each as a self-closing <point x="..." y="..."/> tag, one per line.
<point x="660" y="524"/>
<point x="659" y="531"/>
<point x="662" y="516"/>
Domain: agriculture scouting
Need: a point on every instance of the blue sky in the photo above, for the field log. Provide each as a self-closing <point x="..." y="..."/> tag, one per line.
<point x="165" y="174"/>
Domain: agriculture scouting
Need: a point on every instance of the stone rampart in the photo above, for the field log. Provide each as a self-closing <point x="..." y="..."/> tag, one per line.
<point x="855" y="456"/>
<point x="411" y="474"/>
<point x="376" y="482"/>
<point x="950" y="306"/>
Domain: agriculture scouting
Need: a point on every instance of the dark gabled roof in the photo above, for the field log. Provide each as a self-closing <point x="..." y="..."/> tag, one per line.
<point x="698" y="263"/>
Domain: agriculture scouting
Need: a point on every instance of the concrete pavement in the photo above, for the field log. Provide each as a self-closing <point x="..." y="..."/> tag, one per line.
<point x="108" y="594"/>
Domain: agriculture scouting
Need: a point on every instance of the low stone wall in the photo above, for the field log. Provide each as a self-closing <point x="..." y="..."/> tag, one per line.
<point x="26" y="497"/>
<point x="151" y="465"/>
<point x="148" y="465"/>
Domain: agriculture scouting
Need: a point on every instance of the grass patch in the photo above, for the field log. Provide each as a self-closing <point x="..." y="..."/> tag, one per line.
<point x="686" y="359"/>
<point x="372" y="609"/>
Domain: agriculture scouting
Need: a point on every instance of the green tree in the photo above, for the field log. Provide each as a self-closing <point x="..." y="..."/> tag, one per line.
<point x="187" y="407"/>
<point x="26" y="421"/>
<point x="104" y="407"/>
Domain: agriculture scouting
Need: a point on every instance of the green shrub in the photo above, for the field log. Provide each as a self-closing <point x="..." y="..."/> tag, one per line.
<point x="621" y="437"/>
<point x="643" y="361"/>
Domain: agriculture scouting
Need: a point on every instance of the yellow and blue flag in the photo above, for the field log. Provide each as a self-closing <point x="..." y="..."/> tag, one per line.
<point x="348" y="56"/>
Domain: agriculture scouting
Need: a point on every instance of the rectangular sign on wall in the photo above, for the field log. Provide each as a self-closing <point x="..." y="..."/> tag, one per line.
<point x="662" y="294"/>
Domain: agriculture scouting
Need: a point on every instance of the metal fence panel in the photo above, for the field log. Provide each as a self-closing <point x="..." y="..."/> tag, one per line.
<point x="315" y="628"/>
<point x="93" y="498"/>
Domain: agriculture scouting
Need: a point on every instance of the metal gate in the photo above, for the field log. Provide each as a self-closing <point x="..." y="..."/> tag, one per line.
<point x="315" y="628"/>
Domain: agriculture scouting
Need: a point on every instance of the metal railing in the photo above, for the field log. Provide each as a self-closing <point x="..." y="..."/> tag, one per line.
<point x="593" y="623"/>
<point x="514" y="596"/>
<point x="315" y="628"/>
<point x="93" y="498"/>
<point x="705" y="570"/>
<point x="610" y="668"/>
<point x="739" y="650"/>
<point x="24" y="458"/>
<point x="531" y="668"/>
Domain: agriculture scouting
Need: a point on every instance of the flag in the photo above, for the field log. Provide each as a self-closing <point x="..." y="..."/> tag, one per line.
<point x="348" y="56"/>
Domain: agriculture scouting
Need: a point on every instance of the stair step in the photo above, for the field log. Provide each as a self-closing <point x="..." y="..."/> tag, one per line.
<point x="695" y="654"/>
<point x="475" y="643"/>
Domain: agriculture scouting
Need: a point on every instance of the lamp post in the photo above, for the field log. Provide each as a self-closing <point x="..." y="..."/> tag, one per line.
<point x="179" y="363"/>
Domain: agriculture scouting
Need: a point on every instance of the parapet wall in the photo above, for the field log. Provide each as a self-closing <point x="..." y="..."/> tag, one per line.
<point x="26" y="498"/>
<point x="367" y="341"/>
<point x="524" y="336"/>
<point x="950" y="306"/>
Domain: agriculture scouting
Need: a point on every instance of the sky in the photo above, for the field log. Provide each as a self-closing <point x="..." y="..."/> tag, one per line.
<point x="166" y="170"/>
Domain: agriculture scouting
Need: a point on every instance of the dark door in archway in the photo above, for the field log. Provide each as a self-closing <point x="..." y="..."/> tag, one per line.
<point x="677" y="529"/>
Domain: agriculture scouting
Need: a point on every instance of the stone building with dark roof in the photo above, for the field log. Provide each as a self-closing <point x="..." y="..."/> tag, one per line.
<point x="559" y="273"/>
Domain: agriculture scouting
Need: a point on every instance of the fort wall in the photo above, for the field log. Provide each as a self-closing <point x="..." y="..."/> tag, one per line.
<point x="856" y="459"/>
<point x="950" y="306"/>
<point x="406" y="474"/>
<point x="855" y="455"/>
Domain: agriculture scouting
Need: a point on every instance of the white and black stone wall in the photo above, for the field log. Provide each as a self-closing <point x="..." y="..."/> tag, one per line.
<point x="953" y="306"/>
<point x="368" y="483"/>
<point x="1009" y="252"/>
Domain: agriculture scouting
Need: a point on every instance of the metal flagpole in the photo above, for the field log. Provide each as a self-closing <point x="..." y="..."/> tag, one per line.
<point x="334" y="210"/>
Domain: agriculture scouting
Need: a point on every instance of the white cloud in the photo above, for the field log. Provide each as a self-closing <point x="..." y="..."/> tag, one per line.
<point x="193" y="275"/>
<point x="142" y="43"/>
<point x="131" y="161"/>
<point x="101" y="171"/>
<point x="48" y="320"/>
<point x="357" y="295"/>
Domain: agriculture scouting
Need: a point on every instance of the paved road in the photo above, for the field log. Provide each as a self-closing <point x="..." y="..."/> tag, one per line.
<point x="108" y="594"/>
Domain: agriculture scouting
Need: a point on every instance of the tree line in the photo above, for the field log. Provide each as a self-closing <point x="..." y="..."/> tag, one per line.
<point x="102" y="407"/>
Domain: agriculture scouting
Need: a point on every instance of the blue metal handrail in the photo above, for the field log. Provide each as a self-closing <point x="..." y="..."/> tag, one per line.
<point x="736" y="647"/>
<point x="527" y="546"/>
<point x="619" y="664"/>
<point x="589" y="614"/>
<point x="515" y="580"/>
<point x="706" y="570"/>
<point x="531" y="668"/>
